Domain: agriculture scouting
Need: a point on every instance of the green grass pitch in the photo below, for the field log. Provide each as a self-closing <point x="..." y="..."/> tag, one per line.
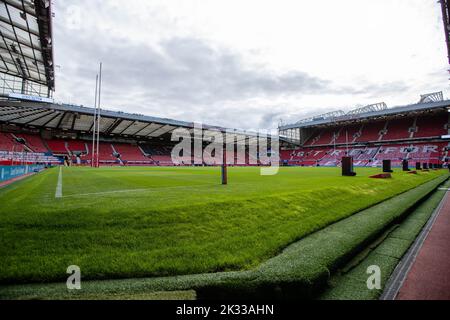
<point x="127" y="222"/>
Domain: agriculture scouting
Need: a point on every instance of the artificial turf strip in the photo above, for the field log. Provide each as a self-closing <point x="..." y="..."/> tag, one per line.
<point x="352" y="284"/>
<point x="300" y="270"/>
<point x="304" y="267"/>
<point x="159" y="295"/>
<point x="149" y="222"/>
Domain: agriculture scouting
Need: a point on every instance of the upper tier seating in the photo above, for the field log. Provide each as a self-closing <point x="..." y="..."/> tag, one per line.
<point x="105" y="153"/>
<point x="347" y="134"/>
<point x="77" y="146"/>
<point x="6" y="142"/>
<point x="431" y="126"/>
<point x="398" y="129"/>
<point x="130" y="152"/>
<point x="160" y="155"/>
<point x="371" y="132"/>
<point x="57" y="146"/>
<point x="286" y="155"/>
<point x="34" y="142"/>
<point x="322" y="137"/>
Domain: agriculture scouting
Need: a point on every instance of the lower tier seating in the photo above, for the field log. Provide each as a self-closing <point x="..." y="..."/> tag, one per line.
<point x="370" y="156"/>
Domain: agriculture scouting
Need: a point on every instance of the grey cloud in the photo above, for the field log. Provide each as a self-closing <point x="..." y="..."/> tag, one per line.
<point x="185" y="74"/>
<point x="189" y="72"/>
<point x="185" y="78"/>
<point x="270" y="119"/>
<point x="385" y="89"/>
<point x="374" y="90"/>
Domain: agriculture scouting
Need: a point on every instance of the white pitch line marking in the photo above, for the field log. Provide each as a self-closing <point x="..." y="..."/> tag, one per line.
<point x="58" y="192"/>
<point x="130" y="190"/>
<point x="156" y="189"/>
<point x="106" y="192"/>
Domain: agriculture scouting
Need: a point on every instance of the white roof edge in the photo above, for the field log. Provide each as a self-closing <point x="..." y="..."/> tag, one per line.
<point x="386" y="112"/>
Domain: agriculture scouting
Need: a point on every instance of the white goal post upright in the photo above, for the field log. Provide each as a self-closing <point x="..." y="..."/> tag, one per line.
<point x="94" y="127"/>
<point x="224" y="166"/>
<point x="95" y="156"/>
<point x="99" y="115"/>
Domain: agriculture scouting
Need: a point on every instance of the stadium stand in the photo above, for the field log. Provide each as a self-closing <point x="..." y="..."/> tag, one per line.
<point x="303" y="156"/>
<point x="57" y="146"/>
<point x="369" y="156"/>
<point x="130" y="153"/>
<point x="366" y="154"/>
<point x="6" y="142"/>
<point x="398" y="129"/>
<point x="369" y="137"/>
<point x="34" y="142"/>
<point x="348" y="134"/>
<point x="106" y="153"/>
<point x="431" y="126"/>
<point x="160" y="155"/>
<point x="11" y="158"/>
<point x="332" y="157"/>
<point x="375" y="148"/>
<point x="323" y="137"/>
<point x="77" y="146"/>
<point x="371" y="132"/>
<point x="417" y="132"/>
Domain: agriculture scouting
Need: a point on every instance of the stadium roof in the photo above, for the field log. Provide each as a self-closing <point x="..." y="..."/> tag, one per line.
<point x="72" y="118"/>
<point x="26" y="48"/>
<point x="446" y="19"/>
<point x="427" y="102"/>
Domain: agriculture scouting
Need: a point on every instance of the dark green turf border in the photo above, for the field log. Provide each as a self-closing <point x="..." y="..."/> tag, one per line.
<point x="350" y="283"/>
<point x="302" y="270"/>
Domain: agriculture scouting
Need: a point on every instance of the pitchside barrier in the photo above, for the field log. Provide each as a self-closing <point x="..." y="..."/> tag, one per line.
<point x="10" y="172"/>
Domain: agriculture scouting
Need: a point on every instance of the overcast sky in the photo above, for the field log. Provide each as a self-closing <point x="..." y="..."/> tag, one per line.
<point x="248" y="63"/>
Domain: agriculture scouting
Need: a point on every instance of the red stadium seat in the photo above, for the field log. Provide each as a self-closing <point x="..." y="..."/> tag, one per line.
<point x="77" y="146"/>
<point x="130" y="153"/>
<point x="34" y="142"/>
<point x="57" y="146"/>
<point x="398" y="129"/>
<point x="6" y="142"/>
<point x="431" y="126"/>
<point x="371" y="132"/>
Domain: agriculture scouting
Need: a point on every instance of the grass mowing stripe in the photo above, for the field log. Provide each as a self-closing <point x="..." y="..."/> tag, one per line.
<point x="58" y="192"/>
<point x="300" y="269"/>
<point x="140" y="190"/>
<point x="186" y="230"/>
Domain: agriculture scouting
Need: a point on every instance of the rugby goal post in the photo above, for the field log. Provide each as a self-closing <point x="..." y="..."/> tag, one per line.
<point x="224" y="167"/>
